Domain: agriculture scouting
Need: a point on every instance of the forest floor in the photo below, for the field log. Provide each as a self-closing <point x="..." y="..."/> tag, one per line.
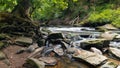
<point x="16" y="60"/>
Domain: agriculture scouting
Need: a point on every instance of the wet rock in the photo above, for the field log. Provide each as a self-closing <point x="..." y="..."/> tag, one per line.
<point x="115" y="52"/>
<point x="95" y="50"/>
<point x="108" y="65"/>
<point x="55" y="38"/>
<point x="36" y="63"/>
<point x="41" y="42"/>
<point x="48" y="60"/>
<point x="97" y="43"/>
<point x="59" y="51"/>
<point x="23" y="41"/>
<point x="32" y="47"/>
<point x="90" y="57"/>
<point x="64" y="44"/>
<point x="2" y="55"/>
<point x="109" y="35"/>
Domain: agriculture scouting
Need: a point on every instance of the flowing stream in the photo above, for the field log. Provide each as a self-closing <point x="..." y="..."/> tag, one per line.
<point x="67" y="63"/>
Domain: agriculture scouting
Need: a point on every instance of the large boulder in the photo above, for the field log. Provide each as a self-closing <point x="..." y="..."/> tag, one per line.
<point x="97" y="43"/>
<point x="90" y="57"/>
<point x="55" y="38"/>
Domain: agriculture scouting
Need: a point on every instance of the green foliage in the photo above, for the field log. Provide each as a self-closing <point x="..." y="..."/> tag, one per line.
<point x="116" y="22"/>
<point x="116" y="18"/>
<point x="106" y="16"/>
<point x="7" y="5"/>
<point x="49" y="9"/>
<point x="99" y="11"/>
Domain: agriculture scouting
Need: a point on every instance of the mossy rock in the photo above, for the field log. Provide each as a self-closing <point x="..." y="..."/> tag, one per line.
<point x="98" y="43"/>
<point x="2" y="45"/>
<point x="2" y="56"/>
<point x="36" y="63"/>
<point x="26" y="41"/>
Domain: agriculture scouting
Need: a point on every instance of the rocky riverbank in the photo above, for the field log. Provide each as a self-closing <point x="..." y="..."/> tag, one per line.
<point x="76" y="47"/>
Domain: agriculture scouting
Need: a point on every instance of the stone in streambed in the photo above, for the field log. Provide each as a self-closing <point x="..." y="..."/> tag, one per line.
<point x="97" y="43"/>
<point x="90" y="57"/>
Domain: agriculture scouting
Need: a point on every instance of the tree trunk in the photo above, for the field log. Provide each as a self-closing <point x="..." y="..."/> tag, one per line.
<point x="18" y="21"/>
<point x="22" y="9"/>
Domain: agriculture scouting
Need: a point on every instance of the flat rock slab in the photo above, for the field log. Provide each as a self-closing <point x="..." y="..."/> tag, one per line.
<point x="115" y="52"/>
<point x="108" y="65"/>
<point x="90" y="57"/>
<point x="24" y="40"/>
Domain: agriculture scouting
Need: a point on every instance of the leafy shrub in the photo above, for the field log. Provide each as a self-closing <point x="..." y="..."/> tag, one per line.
<point x="105" y="16"/>
<point x="116" y="22"/>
